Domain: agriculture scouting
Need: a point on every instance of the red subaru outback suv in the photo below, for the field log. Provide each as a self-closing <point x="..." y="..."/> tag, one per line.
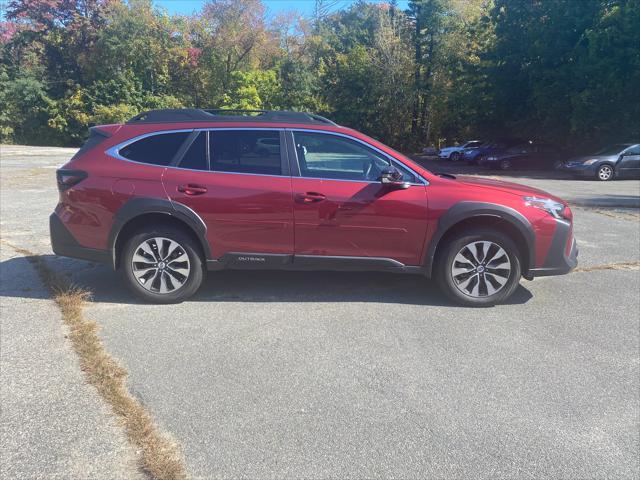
<point x="174" y="193"/>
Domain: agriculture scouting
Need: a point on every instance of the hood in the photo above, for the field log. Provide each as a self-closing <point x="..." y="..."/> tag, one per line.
<point x="583" y="158"/>
<point x="507" y="187"/>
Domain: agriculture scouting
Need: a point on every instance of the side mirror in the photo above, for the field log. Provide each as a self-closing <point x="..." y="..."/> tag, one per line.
<point x="393" y="177"/>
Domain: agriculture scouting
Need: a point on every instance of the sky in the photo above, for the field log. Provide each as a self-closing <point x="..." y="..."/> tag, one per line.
<point x="304" y="7"/>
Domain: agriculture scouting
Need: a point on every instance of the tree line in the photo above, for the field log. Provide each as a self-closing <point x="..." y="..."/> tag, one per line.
<point x="562" y="71"/>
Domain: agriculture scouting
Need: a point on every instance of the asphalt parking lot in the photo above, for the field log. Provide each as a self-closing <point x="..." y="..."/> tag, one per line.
<point x="352" y="375"/>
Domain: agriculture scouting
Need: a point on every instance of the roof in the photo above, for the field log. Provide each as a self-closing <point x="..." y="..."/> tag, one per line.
<point x="175" y="115"/>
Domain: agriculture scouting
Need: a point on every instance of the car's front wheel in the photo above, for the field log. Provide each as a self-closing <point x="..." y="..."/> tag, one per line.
<point x="505" y="164"/>
<point x="162" y="265"/>
<point x="479" y="268"/>
<point x="455" y="156"/>
<point x="605" y="173"/>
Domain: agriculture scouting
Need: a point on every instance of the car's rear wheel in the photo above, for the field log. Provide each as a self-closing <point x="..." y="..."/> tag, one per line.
<point x="605" y="173"/>
<point x="479" y="268"/>
<point x="162" y="265"/>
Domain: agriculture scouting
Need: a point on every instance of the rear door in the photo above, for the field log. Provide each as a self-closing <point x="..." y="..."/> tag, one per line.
<point x="342" y="210"/>
<point x="238" y="182"/>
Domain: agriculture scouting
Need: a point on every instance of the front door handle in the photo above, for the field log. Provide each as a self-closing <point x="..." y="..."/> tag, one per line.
<point x="192" y="189"/>
<point x="309" y="197"/>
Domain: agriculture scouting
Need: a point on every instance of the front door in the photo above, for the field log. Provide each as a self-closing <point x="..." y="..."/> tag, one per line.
<point x="629" y="164"/>
<point x="341" y="209"/>
<point x="238" y="183"/>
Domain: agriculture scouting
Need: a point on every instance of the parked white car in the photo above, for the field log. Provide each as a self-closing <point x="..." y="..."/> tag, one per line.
<point x="455" y="153"/>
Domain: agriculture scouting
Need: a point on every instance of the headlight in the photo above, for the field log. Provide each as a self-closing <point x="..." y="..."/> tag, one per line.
<point x="590" y="162"/>
<point x="556" y="209"/>
<point x="492" y="159"/>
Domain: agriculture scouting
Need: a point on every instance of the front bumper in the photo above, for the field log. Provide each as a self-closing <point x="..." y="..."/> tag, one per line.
<point x="562" y="256"/>
<point x="63" y="244"/>
<point x="485" y="162"/>
<point x="579" y="169"/>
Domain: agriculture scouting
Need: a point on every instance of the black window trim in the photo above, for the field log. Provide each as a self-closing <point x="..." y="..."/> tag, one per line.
<point x="296" y="172"/>
<point x="182" y="151"/>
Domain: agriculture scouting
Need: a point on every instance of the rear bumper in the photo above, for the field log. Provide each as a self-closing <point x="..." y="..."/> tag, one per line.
<point x="65" y="245"/>
<point x="558" y="261"/>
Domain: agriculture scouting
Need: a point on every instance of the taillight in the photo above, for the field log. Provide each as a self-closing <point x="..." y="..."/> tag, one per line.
<point x="69" y="178"/>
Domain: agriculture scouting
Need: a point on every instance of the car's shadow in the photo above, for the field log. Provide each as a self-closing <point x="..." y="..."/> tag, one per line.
<point x="107" y="286"/>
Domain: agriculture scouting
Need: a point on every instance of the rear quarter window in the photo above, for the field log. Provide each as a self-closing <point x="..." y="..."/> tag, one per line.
<point x="158" y="149"/>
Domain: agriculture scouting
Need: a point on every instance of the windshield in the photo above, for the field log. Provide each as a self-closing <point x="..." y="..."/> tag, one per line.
<point x="612" y="149"/>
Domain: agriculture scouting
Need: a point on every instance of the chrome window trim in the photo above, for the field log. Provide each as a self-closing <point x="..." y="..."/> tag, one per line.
<point x="115" y="150"/>
<point x="393" y="160"/>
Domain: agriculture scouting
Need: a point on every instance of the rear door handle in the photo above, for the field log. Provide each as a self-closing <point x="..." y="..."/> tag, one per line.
<point x="192" y="189"/>
<point x="309" y="197"/>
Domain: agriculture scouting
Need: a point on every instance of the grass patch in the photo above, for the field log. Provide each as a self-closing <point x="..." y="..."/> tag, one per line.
<point x="160" y="456"/>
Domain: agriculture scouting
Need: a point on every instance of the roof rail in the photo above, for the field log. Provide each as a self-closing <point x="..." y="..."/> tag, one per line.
<point x="173" y="115"/>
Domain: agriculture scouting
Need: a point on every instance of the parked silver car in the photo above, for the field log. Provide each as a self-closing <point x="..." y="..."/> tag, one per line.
<point x="455" y="153"/>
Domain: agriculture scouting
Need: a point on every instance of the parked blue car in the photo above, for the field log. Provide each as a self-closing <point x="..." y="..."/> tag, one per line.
<point x="473" y="155"/>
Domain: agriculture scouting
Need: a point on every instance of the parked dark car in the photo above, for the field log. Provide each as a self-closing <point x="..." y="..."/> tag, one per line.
<point x="473" y="155"/>
<point x="526" y="156"/>
<point x="621" y="160"/>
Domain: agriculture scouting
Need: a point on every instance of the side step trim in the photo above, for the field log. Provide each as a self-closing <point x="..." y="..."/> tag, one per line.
<point x="270" y="261"/>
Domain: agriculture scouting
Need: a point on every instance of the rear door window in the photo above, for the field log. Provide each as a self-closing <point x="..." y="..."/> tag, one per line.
<point x="245" y="151"/>
<point x="156" y="149"/>
<point x="195" y="158"/>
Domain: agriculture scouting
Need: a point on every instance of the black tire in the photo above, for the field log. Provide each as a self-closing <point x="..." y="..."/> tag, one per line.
<point x="505" y="164"/>
<point x="455" y="156"/>
<point x="605" y="172"/>
<point x="454" y="289"/>
<point x="186" y="245"/>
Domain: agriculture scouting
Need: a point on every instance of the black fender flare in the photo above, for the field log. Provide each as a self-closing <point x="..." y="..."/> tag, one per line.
<point x="139" y="206"/>
<point x="468" y="209"/>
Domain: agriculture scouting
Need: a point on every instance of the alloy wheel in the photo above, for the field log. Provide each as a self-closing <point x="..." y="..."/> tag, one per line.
<point x="160" y="265"/>
<point x="605" y="172"/>
<point x="481" y="269"/>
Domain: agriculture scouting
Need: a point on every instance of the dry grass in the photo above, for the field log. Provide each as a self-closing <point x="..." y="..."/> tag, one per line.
<point x="611" y="266"/>
<point x="626" y="214"/>
<point x="160" y="457"/>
